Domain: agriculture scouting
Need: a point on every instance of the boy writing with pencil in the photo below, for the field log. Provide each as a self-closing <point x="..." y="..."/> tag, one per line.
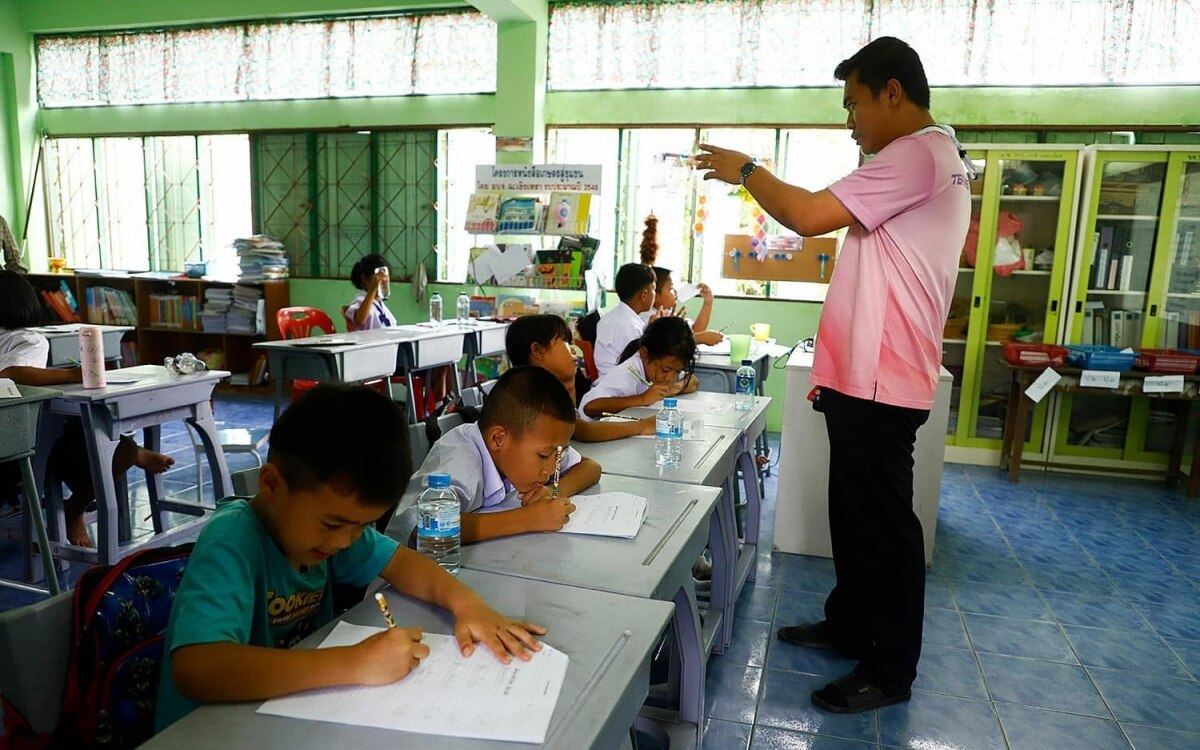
<point x="260" y="578"/>
<point x="500" y="466"/>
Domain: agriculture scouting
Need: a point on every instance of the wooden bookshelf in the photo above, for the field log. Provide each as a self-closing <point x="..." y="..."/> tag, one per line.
<point x="157" y="342"/>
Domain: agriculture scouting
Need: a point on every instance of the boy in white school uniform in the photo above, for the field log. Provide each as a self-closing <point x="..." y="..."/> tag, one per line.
<point x="635" y="285"/>
<point x="500" y="466"/>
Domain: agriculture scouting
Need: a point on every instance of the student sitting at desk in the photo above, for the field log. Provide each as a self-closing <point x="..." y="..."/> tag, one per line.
<point x="666" y="299"/>
<point x="650" y="371"/>
<point x="500" y="466"/>
<point x="367" y="310"/>
<point x="545" y="341"/>
<point x="260" y="577"/>
<point x="23" y="356"/>
<point x="622" y="324"/>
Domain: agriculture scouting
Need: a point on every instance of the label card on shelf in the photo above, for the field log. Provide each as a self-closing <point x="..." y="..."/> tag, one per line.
<point x="1100" y="379"/>
<point x="1163" y="384"/>
<point x="1038" y="389"/>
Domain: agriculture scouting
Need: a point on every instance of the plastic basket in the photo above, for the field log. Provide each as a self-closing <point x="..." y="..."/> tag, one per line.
<point x="1034" y="355"/>
<point x="1171" y="361"/>
<point x="1093" y="357"/>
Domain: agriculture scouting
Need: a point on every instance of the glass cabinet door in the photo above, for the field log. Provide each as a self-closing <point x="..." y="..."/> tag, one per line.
<point x="1030" y="231"/>
<point x="954" y="335"/>
<point x="1179" y="326"/>
<point x="1113" y="286"/>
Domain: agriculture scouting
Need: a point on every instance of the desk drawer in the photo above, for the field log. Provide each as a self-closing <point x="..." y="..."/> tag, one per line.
<point x="443" y="350"/>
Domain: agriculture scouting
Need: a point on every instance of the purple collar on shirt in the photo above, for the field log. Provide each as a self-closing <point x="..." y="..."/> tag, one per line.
<point x="495" y="487"/>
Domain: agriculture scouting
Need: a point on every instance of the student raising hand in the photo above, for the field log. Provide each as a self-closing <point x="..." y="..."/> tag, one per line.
<point x="389" y="656"/>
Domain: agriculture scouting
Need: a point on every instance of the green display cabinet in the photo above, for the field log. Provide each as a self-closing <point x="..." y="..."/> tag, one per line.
<point x="1010" y="283"/>
<point x="1136" y="283"/>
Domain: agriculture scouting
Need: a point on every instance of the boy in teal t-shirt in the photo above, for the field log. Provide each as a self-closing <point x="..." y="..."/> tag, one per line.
<point x="261" y="576"/>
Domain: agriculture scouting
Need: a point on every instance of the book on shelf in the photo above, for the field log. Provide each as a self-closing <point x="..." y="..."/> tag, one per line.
<point x="1116" y="329"/>
<point x="1103" y="249"/>
<point x="244" y="314"/>
<point x="482" y="209"/>
<point x="568" y="213"/>
<point x="179" y="311"/>
<point x="129" y="353"/>
<point x="109" y="306"/>
<point x="58" y="304"/>
<point x="519" y="215"/>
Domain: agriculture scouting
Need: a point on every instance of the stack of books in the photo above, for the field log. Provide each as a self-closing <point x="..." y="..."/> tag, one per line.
<point x="217" y="301"/>
<point x="261" y="258"/>
<point x="109" y="306"/>
<point x="246" y="313"/>
<point x="174" y="311"/>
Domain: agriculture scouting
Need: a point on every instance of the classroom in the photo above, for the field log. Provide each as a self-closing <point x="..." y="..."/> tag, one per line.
<point x="728" y="374"/>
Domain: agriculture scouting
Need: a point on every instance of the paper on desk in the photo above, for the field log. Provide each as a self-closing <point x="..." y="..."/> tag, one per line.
<point x="607" y="514"/>
<point x="324" y="341"/>
<point x="448" y="694"/>
<point x="111" y="378"/>
<point x="8" y="389"/>
<point x="721" y="348"/>
<point x="691" y="431"/>
<point x="693" y="407"/>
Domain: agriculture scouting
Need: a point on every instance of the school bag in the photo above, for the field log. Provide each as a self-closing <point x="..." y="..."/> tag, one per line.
<point x="118" y="628"/>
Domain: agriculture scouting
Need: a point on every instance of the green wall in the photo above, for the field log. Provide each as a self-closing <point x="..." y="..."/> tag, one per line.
<point x="790" y="321"/>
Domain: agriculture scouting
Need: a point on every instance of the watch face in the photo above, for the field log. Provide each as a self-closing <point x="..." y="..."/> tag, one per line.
<point x="747" y="169"/>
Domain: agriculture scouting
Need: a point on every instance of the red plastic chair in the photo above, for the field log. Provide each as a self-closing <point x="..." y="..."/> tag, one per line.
<point x="298" y="323"/>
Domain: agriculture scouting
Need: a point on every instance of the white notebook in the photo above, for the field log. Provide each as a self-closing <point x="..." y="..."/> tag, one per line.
<point x="618" y="514"/>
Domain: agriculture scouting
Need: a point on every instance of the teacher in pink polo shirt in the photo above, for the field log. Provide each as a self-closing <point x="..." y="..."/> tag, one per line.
<point x="877" y="357"/>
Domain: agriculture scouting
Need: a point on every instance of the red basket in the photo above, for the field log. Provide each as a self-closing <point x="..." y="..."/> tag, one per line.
<point x="1170" y="361"/>
<point x="1034" y="355"/>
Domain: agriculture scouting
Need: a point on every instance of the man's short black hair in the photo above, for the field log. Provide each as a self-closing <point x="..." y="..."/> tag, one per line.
<point x="19" y="303"/>
<point x="528" y="330"/>
<point x="348" y="436"/>
<point x="633" y="278"/>
<point x="882" y="60"/>
<point x="523" y="394"/>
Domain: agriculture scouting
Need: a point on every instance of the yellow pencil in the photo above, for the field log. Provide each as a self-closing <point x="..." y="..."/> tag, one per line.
<point x="558" y="451"/>
<point x="383" y="607"/>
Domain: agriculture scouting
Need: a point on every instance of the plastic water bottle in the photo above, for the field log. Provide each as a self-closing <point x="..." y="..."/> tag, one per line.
<point x="668" y="434"/>
<point x="745" y="386"/>
<point x="438" y="527"/>
<point x="462" y="309"/>
<point x="435" y="308"/>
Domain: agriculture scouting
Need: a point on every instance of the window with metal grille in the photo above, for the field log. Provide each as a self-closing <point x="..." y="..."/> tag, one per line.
<point x="439" y="53"/>
<point x="148" y="204"/>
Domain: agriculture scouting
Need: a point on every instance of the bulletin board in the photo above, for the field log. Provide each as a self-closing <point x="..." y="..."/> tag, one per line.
<point x="802" y="264"/>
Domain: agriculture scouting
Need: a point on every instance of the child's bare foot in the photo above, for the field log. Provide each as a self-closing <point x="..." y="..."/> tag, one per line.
<point x="152" y="461"/>
<point x="77" y="531"/>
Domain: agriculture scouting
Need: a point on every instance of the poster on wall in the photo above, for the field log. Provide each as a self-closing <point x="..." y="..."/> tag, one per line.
<point x="538" y="178"/>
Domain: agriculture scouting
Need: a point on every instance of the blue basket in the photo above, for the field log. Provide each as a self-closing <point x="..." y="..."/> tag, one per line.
<point x="1092" y="357"/>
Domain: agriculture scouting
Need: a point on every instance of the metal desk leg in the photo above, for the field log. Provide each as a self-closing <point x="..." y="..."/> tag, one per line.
<point x="412" y="397"/>
<point x="100" y="450"/>
<point x="753" y="503"/>
<point x="1010" y="419"/>
<point x="33" y="510"/>
<point x="722" y="543"/>
<point x="152" y="440"/>
<point x="689" y="640"/>
<point x="1018" y="438"/>
<point x="278" y="365"/>
<point x="206" y="430"/>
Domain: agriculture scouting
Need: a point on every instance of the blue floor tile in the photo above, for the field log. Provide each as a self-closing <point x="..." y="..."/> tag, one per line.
<point x="1094" y="611"/>
<point x="1141" y="652"/>
<point x="939" y="593"/>
<point x="749" y="644"/>
<point x="1071" y="580"/>
<point x="731" y="691"/>
<point x="1144" y="699"/>
<point x="806" y="573"/>
<point x="1188" y="652"/>
<point x="1041" y="684"/>
<point x="1012" y="637"/>
<point x="757" y="602"/>
<point x="944" y="627"/>
<point x="1171" y="620"/>
<point x="766" y="738"/>
<point x="785" y="704"/>
<point x="1020" y="601"/>
<point x="953" y="671"/>
<point x="1033" y="729"/>
<point x="931" y="720"/>
<point x="792" y="658"/>
<point x="1157" y="738"/>
<point x="726" y="734"/>
<point x="797" y="607"/>
<point x="989" y="570"/>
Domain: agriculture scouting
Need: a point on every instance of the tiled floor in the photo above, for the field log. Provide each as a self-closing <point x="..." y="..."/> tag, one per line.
<point x="1062" y="613"/>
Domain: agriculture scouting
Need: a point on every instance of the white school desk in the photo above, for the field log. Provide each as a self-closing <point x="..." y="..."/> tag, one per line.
<point x="484" y="337"/>
<point x="607" y="679"/>
<point x="158" y="396"/>
<point x="709" y="462"/>
<point x="716" y="373"/>
<point x="339" y="358"/>
<point x="19" y="419"/>
<point x="750" y="425"/>
<point x="64" y="342"/>
<point x="424" y="347"/>
<point x="656" y="564"/>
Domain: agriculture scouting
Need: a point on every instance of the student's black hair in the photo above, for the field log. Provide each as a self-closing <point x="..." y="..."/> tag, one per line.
<point x="523" y="394"/>
<point x="366" y="267"/>
<point x="533" y="329"/>
<point x="666" y="337"/>
<point x="631" y="279"/>
<point x="882" y="60"/>
<point x="348" y="436"/>
<point x="19" y="303"/>
<point x="661" y="276"/>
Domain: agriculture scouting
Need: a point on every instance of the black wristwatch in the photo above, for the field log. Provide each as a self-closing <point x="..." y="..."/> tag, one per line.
<point x="747" y="170"/>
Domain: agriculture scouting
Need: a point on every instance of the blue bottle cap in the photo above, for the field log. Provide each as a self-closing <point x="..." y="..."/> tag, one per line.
<point x="439" y="481"/>
<point x="747" y="363"/>
<point x="670" y="403"/>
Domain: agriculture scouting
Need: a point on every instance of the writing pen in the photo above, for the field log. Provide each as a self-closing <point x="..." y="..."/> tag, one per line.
<point x="638" y="375"/>
<point x="724" y="327"/>
<point x="626" y="417"/>
<point x="383" y="607"/>
<point x="558" y="451"/>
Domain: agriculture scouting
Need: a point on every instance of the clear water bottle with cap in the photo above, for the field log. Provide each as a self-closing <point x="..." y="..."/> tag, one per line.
<point x="668" y="434"/>
<point x="462" y="309"/>
<point x="435" y="308"/>
<point x="745" y="386"/>
<point x="438" y="526"/>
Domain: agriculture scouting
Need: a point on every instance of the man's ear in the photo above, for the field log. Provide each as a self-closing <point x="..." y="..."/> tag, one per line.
<point x="271" y="484"/>
<point x="894" y="92"/>
<point x="495" y="436"/>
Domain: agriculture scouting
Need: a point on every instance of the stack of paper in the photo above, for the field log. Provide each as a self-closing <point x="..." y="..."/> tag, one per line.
<point x="448" y="694"/>
<point x="243" y="315"/>
<point x="217" y="301"/>
<point x="618" y="514"/>
<point x="261" y="257"/>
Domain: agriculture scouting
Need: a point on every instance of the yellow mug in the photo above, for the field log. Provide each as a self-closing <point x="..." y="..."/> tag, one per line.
<point x="761" y="331"/>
